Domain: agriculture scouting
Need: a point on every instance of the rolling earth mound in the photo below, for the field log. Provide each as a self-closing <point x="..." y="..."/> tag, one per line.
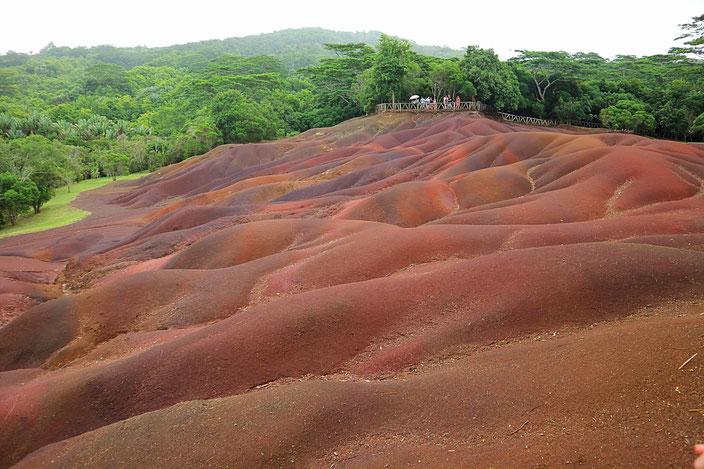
<point x="401" y="290"/>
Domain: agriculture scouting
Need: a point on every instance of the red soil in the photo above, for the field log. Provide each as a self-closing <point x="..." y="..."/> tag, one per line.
<point x="429" y="256"/>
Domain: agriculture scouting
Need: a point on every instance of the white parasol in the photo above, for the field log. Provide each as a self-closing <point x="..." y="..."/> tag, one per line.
<point x="415" y="96"/>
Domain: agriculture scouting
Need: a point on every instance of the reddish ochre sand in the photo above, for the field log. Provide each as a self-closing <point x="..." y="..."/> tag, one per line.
<point x="395" y="291"/>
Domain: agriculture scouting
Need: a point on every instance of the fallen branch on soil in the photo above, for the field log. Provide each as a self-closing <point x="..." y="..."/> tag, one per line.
<point x="519" y="428"/>
<point x="696" y="410"/>
<point x="688" y="360"/>
<point x="536" y="407"/>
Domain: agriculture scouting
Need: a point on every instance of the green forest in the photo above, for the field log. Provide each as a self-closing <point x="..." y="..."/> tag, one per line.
<point x="69" y="114"/>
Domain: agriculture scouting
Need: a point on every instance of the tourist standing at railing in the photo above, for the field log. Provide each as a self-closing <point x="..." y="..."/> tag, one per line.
<point x="445" y="99"/>
<point x="457" y="102"/>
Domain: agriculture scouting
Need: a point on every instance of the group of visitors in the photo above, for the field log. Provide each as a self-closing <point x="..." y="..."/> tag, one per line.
<point x="431" y="103"/>
<point x="447" y="102"/>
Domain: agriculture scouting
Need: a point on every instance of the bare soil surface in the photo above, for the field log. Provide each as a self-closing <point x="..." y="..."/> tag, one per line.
<point x="395" y="291"/>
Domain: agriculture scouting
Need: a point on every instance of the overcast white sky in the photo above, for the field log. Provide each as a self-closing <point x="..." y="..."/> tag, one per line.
<point x="608" y="27"/>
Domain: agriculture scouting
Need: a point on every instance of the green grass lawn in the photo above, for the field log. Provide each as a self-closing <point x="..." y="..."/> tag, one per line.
<point x="57" y="212"/>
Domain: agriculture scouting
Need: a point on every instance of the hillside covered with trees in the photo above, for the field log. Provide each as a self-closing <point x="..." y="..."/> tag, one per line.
<point x="68" y="114"/>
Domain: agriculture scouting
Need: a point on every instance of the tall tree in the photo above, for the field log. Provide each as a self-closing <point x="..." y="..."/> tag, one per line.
<point x="694" y="33"/>
<point x="546" y="68"/>
<point x="336" y="78"/>
<point x="16" y="196"/>
<point x="391" y="65"/>
<point x="446" y="78"/>
<point x="70" y="165"/>
<point x="115" y="164"/>
<point x="494" y="81"/>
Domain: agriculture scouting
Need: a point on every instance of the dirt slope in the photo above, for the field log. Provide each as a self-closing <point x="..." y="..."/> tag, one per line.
<point x="393" y="290"/>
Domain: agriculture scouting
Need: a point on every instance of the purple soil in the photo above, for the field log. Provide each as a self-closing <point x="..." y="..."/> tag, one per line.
<point x="430" y="256"/>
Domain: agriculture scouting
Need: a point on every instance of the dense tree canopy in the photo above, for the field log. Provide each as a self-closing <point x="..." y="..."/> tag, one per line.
<point x="241" y="119"/>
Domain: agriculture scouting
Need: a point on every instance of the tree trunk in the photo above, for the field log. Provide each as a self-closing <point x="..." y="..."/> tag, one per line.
<point x="393" y="99"/>
<point x="541" y="96"/>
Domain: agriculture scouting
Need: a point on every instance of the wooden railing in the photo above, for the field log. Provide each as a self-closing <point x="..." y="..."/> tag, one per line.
<point x="430" y="107"/>
<point x="547" y="122"/>
<point x="481" y="107"/>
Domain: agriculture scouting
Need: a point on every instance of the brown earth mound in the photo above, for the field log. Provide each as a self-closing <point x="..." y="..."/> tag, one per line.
<point x="410" y="291"/>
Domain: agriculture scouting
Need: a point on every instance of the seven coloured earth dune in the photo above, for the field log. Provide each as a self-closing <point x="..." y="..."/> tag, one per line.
<point x="395" y="291"/>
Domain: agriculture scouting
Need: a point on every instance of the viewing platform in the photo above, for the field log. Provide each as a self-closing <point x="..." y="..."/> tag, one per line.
<point x="437" y="107"/>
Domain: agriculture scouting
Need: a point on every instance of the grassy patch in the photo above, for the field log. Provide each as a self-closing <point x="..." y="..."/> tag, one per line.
<point x="57" y="212"/>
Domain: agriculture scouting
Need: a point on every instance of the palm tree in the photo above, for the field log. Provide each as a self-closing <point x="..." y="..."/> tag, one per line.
<point x="63" y="129"/>
<point x="44" y="125"/>
<point x="6" y="123"/>
<point x="142" y="129"/>
<point x="31" y="123"/>
<point x="83" y="128"/>
<point x="15" y="133"/>
<point x="122" y="127"/>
